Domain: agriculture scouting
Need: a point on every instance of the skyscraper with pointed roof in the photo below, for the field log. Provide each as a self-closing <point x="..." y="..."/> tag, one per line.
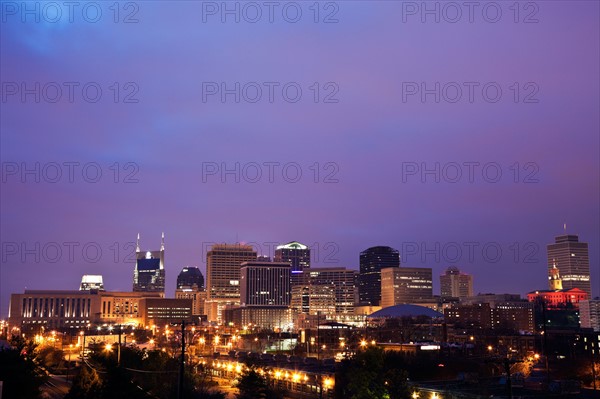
<point x="149" y="272"/>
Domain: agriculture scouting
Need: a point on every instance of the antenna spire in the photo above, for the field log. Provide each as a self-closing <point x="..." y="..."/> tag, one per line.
<point x="162" y="242"/>
<point x="137" y="243"/>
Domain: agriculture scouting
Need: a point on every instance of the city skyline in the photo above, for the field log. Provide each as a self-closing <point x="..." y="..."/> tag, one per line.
<point x="170" y="290"/>
<point x="164" y="154"/>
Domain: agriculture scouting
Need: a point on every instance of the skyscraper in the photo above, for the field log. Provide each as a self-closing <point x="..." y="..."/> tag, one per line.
<point x="190" y="276"/>
<point x="372" y="260"/>
<point x="223" y="264"/>
<point x="572" y="260"/>
<point x="405" y="285"/>
<point x="265" y="284"/>
<point x="454" y="284"/>
<point x="149" y="272"/>
<point x="343" y="282"/>
<point x="298" y="256"/>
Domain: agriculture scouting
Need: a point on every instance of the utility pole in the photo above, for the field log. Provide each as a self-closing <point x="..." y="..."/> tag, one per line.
<point x="593" y="362"/>
<point x="318" y="340"/>
<point x="545" y="342"/>
<point x="181" y="362"/>
<point x="119" y="348"/>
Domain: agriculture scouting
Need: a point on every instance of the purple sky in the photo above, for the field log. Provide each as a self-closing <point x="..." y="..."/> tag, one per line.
<point x="370" y="134"/>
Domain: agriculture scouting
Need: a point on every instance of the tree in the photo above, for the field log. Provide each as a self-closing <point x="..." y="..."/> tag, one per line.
<point x="20" y="375"/>
<point x="86" y="385"/>
<point x="371" y="374"/>
<point x="252" y="385"/>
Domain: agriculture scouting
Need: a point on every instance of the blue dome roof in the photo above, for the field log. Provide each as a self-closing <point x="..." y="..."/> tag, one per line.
<point x="406" y="311"/>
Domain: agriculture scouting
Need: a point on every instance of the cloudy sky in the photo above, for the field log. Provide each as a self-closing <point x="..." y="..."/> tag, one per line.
<point x="461" y="136"/>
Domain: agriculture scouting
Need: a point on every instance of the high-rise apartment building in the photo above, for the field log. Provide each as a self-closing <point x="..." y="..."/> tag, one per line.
<point x="149" y="272"/>
<point x="454" y="284"/>
<point x="298" y="256"/>
<point x="572" y="260"/>
<point x="405" y="285"/>
<point x="372" y="261"/>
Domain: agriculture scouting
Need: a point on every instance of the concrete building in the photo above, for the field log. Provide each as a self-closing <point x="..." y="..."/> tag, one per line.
<point x="343" y="282"/>
<point x="589" y="313"/>
<point x="223" y="274"/>
<point x="518" y="316"/>
<point x="62" y="310"/>
<point x="91" y="282"/>
<point x="405" y="285"/>
<point x="265" y="284"/>
<point x="454" y="284"/>
<point x="196" y="295"/>
<point x="314" y="299"/>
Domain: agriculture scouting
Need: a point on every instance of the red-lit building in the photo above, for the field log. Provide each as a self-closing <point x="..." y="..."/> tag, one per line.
<point x="559" y="299"/>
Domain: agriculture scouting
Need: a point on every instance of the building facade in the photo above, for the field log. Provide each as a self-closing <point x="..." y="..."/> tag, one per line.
<point x="589" y="314"/>
<point x="314" y="299"/>
<point x="149" y="272"/>
<point x="405" y="285"/>
<point x="64" y="310"/>
<point x="454" y="284"/>
<point x="190" y="276"/>
<point x="372" y="261"/>
<point x="52" y="310"/>
<point x="223" y="274"/>
<point x="517" y="316"/>
<point x="561" y="299"/>
<point x="298" y="256"/>
<point x="265" y="284"/>
<point x="571" y="258"/>
<point x="91" y="282"/>
<point x="343" y="282"/>
<point x="197" y="296"/>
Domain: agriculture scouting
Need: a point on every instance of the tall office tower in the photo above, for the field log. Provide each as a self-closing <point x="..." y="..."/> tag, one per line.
<point x="343" y="283"/>
<point x="265" y="284"/>
<point x="454" y="284"/>
<point x="149" y="272"/>
<point x="298" y="256"/>
<point x="372" y="260"/>
<point x="91" y="282"/>
<point x="405" y="285"/>
<point x="572" y="260"/>
<point x="223" y="264"/>
<point x="190" y="276"/>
